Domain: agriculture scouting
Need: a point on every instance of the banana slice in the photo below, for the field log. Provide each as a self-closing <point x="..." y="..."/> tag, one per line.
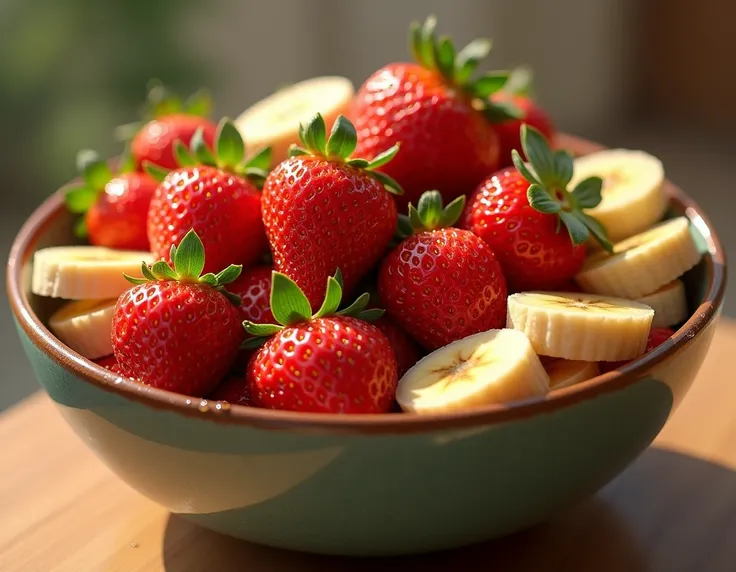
<point x="275" y="120"/>
<point x="564" y="372"/>
<point x="633" y="199"/>
<point x="85" y="326"/>
<point x="669" y="304"/>
<point x="496" y="366"/>
<point x="584" y="327"/>
<point x="85" y="272"/>
<point x="642" y="263"/>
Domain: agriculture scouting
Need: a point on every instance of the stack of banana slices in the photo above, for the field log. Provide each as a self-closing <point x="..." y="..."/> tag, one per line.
<point x="90" y="280"/>
<point x="554" y="340"/>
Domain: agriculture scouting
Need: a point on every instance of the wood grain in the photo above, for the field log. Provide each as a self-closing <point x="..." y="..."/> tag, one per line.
<point x="674" y="510"/>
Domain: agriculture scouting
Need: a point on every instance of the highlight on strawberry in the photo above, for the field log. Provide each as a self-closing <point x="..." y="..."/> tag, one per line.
<point x="332" y="361"/>
<point x="176" y="328"/>
<point x="441" y="114"/>
<point x="441" y="284"/>
<point x="113" y="204"/>
<point x="216" y="192"/>
<point x="324" y="208"/>
<point x="536" y="226"/>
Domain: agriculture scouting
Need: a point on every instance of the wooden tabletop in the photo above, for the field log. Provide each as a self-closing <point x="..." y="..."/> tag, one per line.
<point x="674" y="510"/>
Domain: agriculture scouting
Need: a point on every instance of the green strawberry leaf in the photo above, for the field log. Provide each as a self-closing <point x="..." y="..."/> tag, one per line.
<point x="158" y="173"/>
<point x="289" y="305"/>
<point x="488" y="84"/>
<point x="80" y="199"/>
<point x="538" y="152"/>
<point x="343" y="139"/>
<point x="253" y="343"/>
<point x="189" y="259"/>
<point x="371" y="315"/>
<point x="498" y="111"/>
<point x="469" y="57"/>
<point x="183" y="157"/>
<point x="94" y="170"/>
<point x="126" y="163"/>
<point x="521" y="80"/>
<point x="540" y="200"/>
<point x="230" y="274"/>
<point x="163" y="271"/>
<point x="199" y="103"/>
<point x="587" y="192"/>
<point x="356" y="307"/>
<point x="404" y="228"/>
<point x="579" y="233"/>
<point x="313" y="136"/>
<point x="359" y="163"/>
<point x="389" y="184"/>
<point x="597" y="230"/>
<point x="382" y="158"/>
<point x="333" y="296"/>
<point x="147" y="272"/>
<point x="429" y="209"/>
<point x="523" y="169"/>
<point x="200" y="149"/>
<point x="260" y="161"/>
<point x="338" y="277"/>
<point x="261" y="329"/>
<point x="451" y="213"/>
<point x="444" y="56"/>
<point x="80" y="228"/>
<point x="229" y="146"/>
<point x="563" y="167"/>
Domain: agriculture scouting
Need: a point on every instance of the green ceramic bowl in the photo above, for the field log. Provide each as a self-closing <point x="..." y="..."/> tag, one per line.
<point x="367" y="485"/>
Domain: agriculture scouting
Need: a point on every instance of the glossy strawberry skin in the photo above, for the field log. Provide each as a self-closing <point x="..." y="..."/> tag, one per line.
<point x="445" y="143"/>
<point x="224" y="210"/>
<point x="119" y="217"/>
<point x="155" y="140"/>
<point x="657" y="336"/>
<point x="253" y="286"/>
<point x="234" y="389"/>
<point x="509" y="131"/>
<point x="320" y="215"/>
<point x="108" y="362"/>
<point x="443" y="285"/>
<point x="534" y="251"/>
<point x="176" y="336"/>
<point x="327" y="365"/>
<point x="406" y="350"/>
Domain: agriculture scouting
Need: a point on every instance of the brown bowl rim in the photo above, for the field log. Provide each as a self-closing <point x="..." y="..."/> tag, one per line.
<point x="53" y="207"/>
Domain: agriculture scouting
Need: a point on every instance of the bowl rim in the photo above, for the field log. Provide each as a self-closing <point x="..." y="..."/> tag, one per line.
<point x="53" y="208"/>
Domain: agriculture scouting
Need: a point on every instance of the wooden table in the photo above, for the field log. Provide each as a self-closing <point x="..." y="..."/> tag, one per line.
<point x="674" y="510"/>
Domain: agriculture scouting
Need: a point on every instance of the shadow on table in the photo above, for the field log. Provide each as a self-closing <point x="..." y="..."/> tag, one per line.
<point x="632" y="525"/>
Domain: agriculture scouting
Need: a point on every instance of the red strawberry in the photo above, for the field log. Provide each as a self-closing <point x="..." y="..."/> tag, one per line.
<point x="234" y="389"/>
<point x="517" y="92"/>
<point x="253" y="287"/>
<point x="406" y="350"/>
<point x="108" y="362"/>
<point x="216" y="194"/>
<point x="115" y="206"/>
<point x="169" y="119"/>
<point x="323" y="210"/>
<point x="441" y="284"/>
<point x="175" y="329"/>
<point x="329" y="362"/>
<point x="440" y="115"/>
<point x="657" y="336"/>
<point x="532" y="222"/>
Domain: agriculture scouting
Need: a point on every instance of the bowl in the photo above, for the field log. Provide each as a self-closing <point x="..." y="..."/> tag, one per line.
<point x="368" y="485"/>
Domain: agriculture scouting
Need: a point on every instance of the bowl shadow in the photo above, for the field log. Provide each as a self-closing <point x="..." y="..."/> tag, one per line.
<point x="668" y="512"/>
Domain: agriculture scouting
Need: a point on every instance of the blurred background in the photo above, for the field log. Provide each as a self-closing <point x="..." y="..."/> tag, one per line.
<point x="657" y="75"/>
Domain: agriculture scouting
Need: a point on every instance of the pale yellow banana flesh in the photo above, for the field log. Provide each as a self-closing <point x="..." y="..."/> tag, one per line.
<point x="581" y="327"/>
<point x="669" y="304"/>
<point x="497" y="366"/>
<point x="85" y="326"/>
<point x="632" y="196"/>
<point x="564" y="373"/>
<point x="274" y="121"/>
<point x="642" y="263"/>
<point x="85" y="272"/>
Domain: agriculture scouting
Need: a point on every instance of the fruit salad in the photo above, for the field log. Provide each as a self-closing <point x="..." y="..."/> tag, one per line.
<point x="419" y="244"/>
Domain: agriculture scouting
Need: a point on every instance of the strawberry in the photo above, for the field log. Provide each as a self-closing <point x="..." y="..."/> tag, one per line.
<point x="329" y="362"/>
<point x="441" y="284"/>
<point x="168" y="119"/>
<point x="442" y="118"/>
<point x="176" y="329"/>
<point x="657" y="336"/>
<point x="108" y="362"/>
<point x="234" y="389"/>
<point x="253" y="287"/>
<point x="517" y="92"/>
<point x="114" y="205"/>
<point x="521" y="213"/>
<point x="406" y="350"/>
<point x="323" y="210"/>
<point x="215" y="192"/>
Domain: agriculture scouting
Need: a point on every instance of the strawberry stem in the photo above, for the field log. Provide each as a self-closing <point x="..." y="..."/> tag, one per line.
<point x="290" y="306"/>
<point x="458" y="68"/>
<point x="549" y="176"/>
<point x="339" y="146"/>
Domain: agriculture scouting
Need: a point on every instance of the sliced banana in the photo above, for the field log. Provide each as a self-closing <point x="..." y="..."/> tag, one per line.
<point x="642" y="263"/>
<point x="669" y="304"/>
<point x="85" y="326"/>
<point x="564" y="372"/>
<point x="632" y="195"/>
<point x="275" y="120"/>
<point x="496" y="366"/>
<point x="85" y="272"/>
<point x="584" y="327"/>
